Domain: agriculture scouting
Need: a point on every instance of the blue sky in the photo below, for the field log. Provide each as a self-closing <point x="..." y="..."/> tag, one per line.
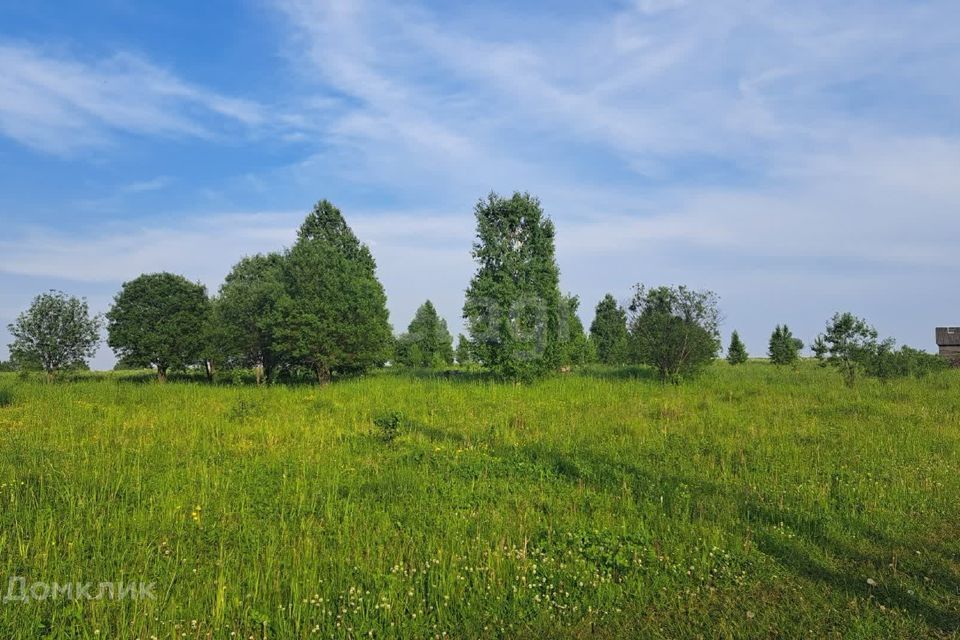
<point x="797" y="158"/>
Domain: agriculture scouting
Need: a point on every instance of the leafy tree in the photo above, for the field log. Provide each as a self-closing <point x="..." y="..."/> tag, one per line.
<point x="784" y="348"/>
<point x="847" y="343"/>
<point x="513" y="307"/>
<point x="7" y="366"/>
<point x="332" y="316"/>
<point x="55" y="333"/>
<point x="159" y="320"/>
<point x="608" y="331"/>
<point x="427" y="342"/>
<point x="245" y="313"/>
<point x="463" y="355"/>
<point x="674" y="329"/>
<point x="886" y="363"/>
<point x="576" y="347"/>
<point x="737" y="352"/>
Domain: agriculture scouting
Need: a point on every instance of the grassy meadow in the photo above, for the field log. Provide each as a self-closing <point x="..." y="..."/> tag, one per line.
<point x="753" y="502"/>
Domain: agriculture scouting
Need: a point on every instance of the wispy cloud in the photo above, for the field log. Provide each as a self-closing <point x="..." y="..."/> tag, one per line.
<point x="60" y="104"/>
<point x="796" y="157"/>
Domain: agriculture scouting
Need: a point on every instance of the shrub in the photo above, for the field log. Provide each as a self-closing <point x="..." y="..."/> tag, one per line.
<point x="388" y="425"/>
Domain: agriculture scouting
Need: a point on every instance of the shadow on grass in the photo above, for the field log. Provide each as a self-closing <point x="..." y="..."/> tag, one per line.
<point x="805" y="554"/>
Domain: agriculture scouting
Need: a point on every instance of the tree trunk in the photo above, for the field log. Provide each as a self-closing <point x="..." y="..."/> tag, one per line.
<point x="210" y="370"/>
<point x="258" y="371"/>
<point x="161" y="374"/>
<point x="323" y="374"/>
<point x="49" y="375"/>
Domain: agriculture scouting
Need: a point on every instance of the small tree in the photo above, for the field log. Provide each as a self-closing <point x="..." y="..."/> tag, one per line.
<point x="463" y="355"/>
<point x="737" y="352"/>
<point x="245" y="313"/>
<point x="576" y="347"/>
<point x="608" y="331"/>
<point x="513" y="307"/>
<point x="159" y="320"/>
<point x="55" y="333"/>
<point x="427" y="342"/>
<point x="847" y="343"/>
<point x="674" y="329"/>
<point x="784" y="348"/>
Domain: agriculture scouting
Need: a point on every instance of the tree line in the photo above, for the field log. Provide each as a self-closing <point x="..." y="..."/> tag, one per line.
<point x="319" y="307"/>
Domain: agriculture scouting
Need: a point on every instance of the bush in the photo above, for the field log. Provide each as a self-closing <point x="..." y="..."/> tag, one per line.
<point x="674" y="330"/>
<point x="6" y="397"/>
<point x="389" y="425"/>
<point x="887" y="363"/>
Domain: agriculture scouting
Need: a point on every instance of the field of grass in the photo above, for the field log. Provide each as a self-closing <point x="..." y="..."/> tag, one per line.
<point x="753" y="502"/>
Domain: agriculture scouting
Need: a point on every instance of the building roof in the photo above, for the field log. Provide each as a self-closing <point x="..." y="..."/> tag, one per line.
<point x="948" y="336"/>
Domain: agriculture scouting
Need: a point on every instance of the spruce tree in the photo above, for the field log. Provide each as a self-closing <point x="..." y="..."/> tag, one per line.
<point x="784" y="348"/>
<point x="737" y="352"/>
<point x="513" y="305"/>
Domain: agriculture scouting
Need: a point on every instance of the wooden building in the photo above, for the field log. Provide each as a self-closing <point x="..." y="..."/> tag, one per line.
<point x="948" y="339"/>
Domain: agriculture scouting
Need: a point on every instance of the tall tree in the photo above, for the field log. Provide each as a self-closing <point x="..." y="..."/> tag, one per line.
<point x="784" y="348"/>
<point x="427" y="342"/>
<point x="333" y="314"/>
<point x="737" y="351"/>
<point x="245" y="312"/>
<point x="513" y="307"/>
<point x="55" y="333"/>
<point x="847" y="343"/>
<point x="159" y="320"/>
<point x="674" y="329"/>
<point x="608" y="331"/>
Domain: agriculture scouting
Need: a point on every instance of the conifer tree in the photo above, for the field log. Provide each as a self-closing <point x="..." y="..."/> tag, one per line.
<point x="332" y="316"/>
<point x="737" y="352"/>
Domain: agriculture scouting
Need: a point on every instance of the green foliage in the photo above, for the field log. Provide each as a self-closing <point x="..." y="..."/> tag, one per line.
<point x="7" y="367"/>
<point x="55" y="333"/>
<point x="463" y="354"/>
<point x="513" y="305"/>
<point x="847" y="344"/>
<point x="674" y="329"/>
<point x="159" y="320"/>
<point x="333" y="315"/>
<point x="389" y="425"/>
<point x="6" y="397"/>
<point x="246" y="313"/>
<point x="784" y="348"/>
<point x="608" y="331"/>
<point x="737" y="351"/>
<point x="427" y="342"/>
<point x="887" y="363"/>
<point x="576" y="348"/>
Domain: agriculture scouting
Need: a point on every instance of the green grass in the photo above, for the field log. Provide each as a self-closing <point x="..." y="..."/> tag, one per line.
<point x="754" y="502"/>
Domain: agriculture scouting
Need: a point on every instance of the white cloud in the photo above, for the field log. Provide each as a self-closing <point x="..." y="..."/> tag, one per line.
<point x="60" y="104"/>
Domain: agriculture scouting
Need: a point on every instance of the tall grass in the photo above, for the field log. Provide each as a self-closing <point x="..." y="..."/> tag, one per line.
<point x="754" y="502"/>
